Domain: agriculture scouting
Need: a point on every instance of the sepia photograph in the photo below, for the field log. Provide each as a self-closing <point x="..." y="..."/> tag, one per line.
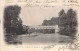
<point x="55" y="25"/>
<point x="39" y="25"/>
<point x="24" y="25"/>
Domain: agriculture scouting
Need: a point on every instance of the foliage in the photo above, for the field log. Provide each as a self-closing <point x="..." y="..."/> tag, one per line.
<point x="12" y="21"/>
<point x="53" y="21"/>
<point x="68" y="22"/>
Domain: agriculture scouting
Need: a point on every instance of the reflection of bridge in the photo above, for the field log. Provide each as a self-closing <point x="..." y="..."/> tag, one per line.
<point x="43" y="29"/>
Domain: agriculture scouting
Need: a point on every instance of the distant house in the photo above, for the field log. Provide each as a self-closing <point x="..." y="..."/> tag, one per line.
<point x="43" y="29"/>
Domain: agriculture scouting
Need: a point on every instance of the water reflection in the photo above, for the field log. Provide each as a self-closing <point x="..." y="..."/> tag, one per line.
<point x="12" y="39"/>
<point x="39" y="38"/>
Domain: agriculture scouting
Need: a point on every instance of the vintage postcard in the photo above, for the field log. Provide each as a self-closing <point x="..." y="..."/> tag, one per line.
<point x="40" y="25"/>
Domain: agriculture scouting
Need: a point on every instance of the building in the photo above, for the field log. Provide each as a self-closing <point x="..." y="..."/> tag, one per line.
<point x="43" y="29"/>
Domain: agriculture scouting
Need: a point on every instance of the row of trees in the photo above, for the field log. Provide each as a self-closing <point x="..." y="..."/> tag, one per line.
<point x="68" y="19"/>
<point x="53" y="21"/>
<point x="68" y="22"/>
<point x="12" y="21"/>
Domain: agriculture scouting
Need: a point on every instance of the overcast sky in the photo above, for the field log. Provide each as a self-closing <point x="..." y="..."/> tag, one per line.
<point x="35" y="16"/>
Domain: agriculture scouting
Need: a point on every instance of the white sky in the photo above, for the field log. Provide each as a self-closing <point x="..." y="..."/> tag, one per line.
<point x="35" y="16"/>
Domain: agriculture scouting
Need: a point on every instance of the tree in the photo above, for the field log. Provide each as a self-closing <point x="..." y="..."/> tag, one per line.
<point x="68" y="22"/>
<point x="54" y="21"/>
<point x="71" y="18"/>
<point x="45" y="22"/>
<point x="61" y="12"/>
<point x="12" y="21"/>
<point x="61" y="19"/>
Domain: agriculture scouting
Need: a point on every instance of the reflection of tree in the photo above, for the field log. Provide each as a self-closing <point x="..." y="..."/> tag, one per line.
<point x="12" y="21"/>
